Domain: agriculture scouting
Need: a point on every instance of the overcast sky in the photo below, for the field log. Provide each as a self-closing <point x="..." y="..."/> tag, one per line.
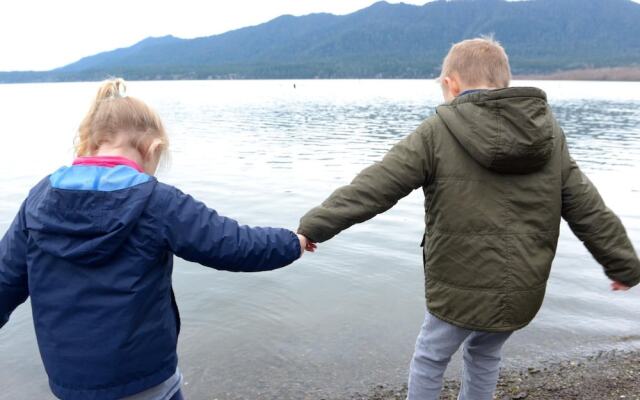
<point x="44" y="34"/>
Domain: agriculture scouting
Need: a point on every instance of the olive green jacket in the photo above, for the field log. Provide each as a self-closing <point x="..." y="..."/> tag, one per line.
<point x="497" y="177"/>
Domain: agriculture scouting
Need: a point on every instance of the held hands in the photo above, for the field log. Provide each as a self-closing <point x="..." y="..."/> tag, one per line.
<point x="306" y="245"/>
<point x="615" y="286"/>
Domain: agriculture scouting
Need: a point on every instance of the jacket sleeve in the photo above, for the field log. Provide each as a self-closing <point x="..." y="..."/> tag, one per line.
<point x="196" y="233"/>
<point x="376" y="189"/>
<point x="14" y="287"/>
<point x="596" y="225"/>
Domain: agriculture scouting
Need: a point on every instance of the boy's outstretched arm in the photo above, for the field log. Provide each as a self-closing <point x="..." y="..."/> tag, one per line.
<point x="376" y="189"/>
<point x="197" y="233"/>
<point x="597" y="226"/>
<point x="14" y="287"/>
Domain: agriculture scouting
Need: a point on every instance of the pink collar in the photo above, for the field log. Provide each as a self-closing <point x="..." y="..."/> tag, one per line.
<point x="107" y="161"/>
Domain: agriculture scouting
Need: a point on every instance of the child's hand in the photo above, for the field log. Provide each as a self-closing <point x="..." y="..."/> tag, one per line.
<point x="615" y="286"/>
<point x="311" y="247"/>
<point x="306" y="244"/>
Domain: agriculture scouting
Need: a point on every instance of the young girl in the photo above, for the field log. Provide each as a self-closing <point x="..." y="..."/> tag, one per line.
<point x="93" y="246"/>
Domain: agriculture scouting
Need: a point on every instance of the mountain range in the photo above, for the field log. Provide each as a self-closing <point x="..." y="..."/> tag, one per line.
<point x="381" y="41"/>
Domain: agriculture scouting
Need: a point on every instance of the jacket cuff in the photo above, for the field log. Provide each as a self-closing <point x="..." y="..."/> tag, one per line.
<point x="633" y="282"/>
<point x="297" y="246"/>
<point x="305" y="233"/>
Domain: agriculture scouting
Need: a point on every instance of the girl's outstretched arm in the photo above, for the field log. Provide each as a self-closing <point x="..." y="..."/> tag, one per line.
<point x="14" y="287"/>
<point x="197" y="233"/>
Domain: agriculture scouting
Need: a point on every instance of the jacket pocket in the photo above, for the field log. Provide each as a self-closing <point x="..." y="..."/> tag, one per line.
<point x="424" y="252"/>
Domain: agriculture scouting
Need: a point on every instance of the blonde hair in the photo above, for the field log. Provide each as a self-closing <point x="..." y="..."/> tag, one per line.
<point x="478" y="62"/>
<point x="112" y="113"/>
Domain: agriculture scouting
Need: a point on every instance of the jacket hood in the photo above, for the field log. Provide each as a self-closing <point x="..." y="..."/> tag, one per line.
<point x="87" y="220"/>
<point x="509" y="130"/>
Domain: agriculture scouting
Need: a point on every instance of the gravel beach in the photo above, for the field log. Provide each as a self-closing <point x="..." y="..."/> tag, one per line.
<point x="605" y="376"/>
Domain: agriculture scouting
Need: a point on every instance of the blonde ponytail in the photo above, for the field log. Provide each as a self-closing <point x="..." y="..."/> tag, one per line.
<point x="113" y="112"/>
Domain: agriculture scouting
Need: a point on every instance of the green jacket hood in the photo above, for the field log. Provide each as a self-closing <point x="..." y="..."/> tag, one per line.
<point x="508" y="131"/>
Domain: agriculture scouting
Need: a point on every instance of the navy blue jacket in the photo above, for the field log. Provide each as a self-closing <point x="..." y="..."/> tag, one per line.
<point x="93" y="247"/>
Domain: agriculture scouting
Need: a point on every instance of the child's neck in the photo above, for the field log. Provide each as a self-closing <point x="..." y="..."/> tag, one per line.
<point x="475" y="89"/>
<point x="120" y="151"/>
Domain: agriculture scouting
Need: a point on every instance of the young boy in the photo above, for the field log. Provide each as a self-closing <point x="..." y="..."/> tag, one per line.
<point x="497" y="177"/>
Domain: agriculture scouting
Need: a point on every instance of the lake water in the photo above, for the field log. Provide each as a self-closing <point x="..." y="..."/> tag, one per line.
<point x="346" y="318"/>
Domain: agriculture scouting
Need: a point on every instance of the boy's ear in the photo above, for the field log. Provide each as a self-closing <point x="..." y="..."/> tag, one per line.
<point x="453" y="85"/>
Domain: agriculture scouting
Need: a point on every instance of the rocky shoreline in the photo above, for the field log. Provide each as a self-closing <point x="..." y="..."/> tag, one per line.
<point x="629" y="74"/>
<point x="605" y="376"/>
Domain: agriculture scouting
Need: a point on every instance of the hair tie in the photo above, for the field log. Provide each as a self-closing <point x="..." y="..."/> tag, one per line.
<point x="122" y="90"/>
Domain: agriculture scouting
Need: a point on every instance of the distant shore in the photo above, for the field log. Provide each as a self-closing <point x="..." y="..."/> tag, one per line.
<point x="604" y="376"/>
<point x="625" y="74"/>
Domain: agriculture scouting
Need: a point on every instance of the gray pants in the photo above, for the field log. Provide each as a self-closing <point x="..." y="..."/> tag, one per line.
<point x="437" y="342"/>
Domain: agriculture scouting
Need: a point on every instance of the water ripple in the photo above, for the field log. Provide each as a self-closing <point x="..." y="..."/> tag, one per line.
<point x="345" y="318"/>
